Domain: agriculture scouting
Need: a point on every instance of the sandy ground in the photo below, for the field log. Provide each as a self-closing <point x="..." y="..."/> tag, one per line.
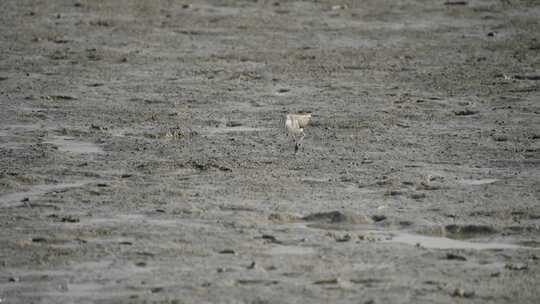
<point x="144" y="158"/>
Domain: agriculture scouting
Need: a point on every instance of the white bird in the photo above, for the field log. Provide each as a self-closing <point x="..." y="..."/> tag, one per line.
<point x="295" y="124"/>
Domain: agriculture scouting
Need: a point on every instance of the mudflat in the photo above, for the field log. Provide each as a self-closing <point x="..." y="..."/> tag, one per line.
<point x="144" y="156"/>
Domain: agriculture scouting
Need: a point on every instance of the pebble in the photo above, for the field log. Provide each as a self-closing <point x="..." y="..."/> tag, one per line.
<point x="14" y="279"/>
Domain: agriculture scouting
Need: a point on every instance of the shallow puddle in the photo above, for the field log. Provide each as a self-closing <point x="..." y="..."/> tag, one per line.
<point x="477" y="182"/>
<point x="70" y="144"/>
<point x="411" y="238"/>
<point x="445" y="243"/>
<point x="86" y="288"/>
<point x="12" y="199"/>
<point x="291" y="250"/>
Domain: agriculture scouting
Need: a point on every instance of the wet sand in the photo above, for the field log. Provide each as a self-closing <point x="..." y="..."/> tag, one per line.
<point x="145" y="159"/>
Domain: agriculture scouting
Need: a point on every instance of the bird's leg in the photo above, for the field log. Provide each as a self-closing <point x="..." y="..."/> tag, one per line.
<point x="299" y="143"/>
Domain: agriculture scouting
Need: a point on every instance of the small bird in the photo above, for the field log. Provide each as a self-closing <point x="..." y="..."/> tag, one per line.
<point x="295" y="124"/>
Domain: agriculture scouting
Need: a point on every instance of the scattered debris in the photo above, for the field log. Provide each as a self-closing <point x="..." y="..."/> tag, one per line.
<point x="534" y="77"/>
<point x="500" y="138"/>
<point x="338" y="217"/>
<point x="466" y="112"/>
<point x="468" y="231"/>
<point x="339" y="7"/>
<point x="58" y="97"/>
<point x="271" y="239"/>
<point x="518" y="266"/>
<point x="69" y="219"/>
<point x="331" y="281"/>
<point x="283" y="218"/>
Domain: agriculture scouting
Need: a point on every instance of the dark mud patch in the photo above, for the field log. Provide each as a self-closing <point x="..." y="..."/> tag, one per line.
<point x="338" y="217"/>
<point x="459" y="232"/>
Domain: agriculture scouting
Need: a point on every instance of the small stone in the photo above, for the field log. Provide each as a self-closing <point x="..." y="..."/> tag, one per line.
<point x="39" y="240"/>
<point x="14" y="279"/>
<point x="418" y="196"/>
<point x="156" y="289"/>
<point x="395" y="193"/>
<point x="378" y="217"/>
<point x="232" y="124"/>
<point x="455" y="257"/>
<point x="500" y="138"/>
